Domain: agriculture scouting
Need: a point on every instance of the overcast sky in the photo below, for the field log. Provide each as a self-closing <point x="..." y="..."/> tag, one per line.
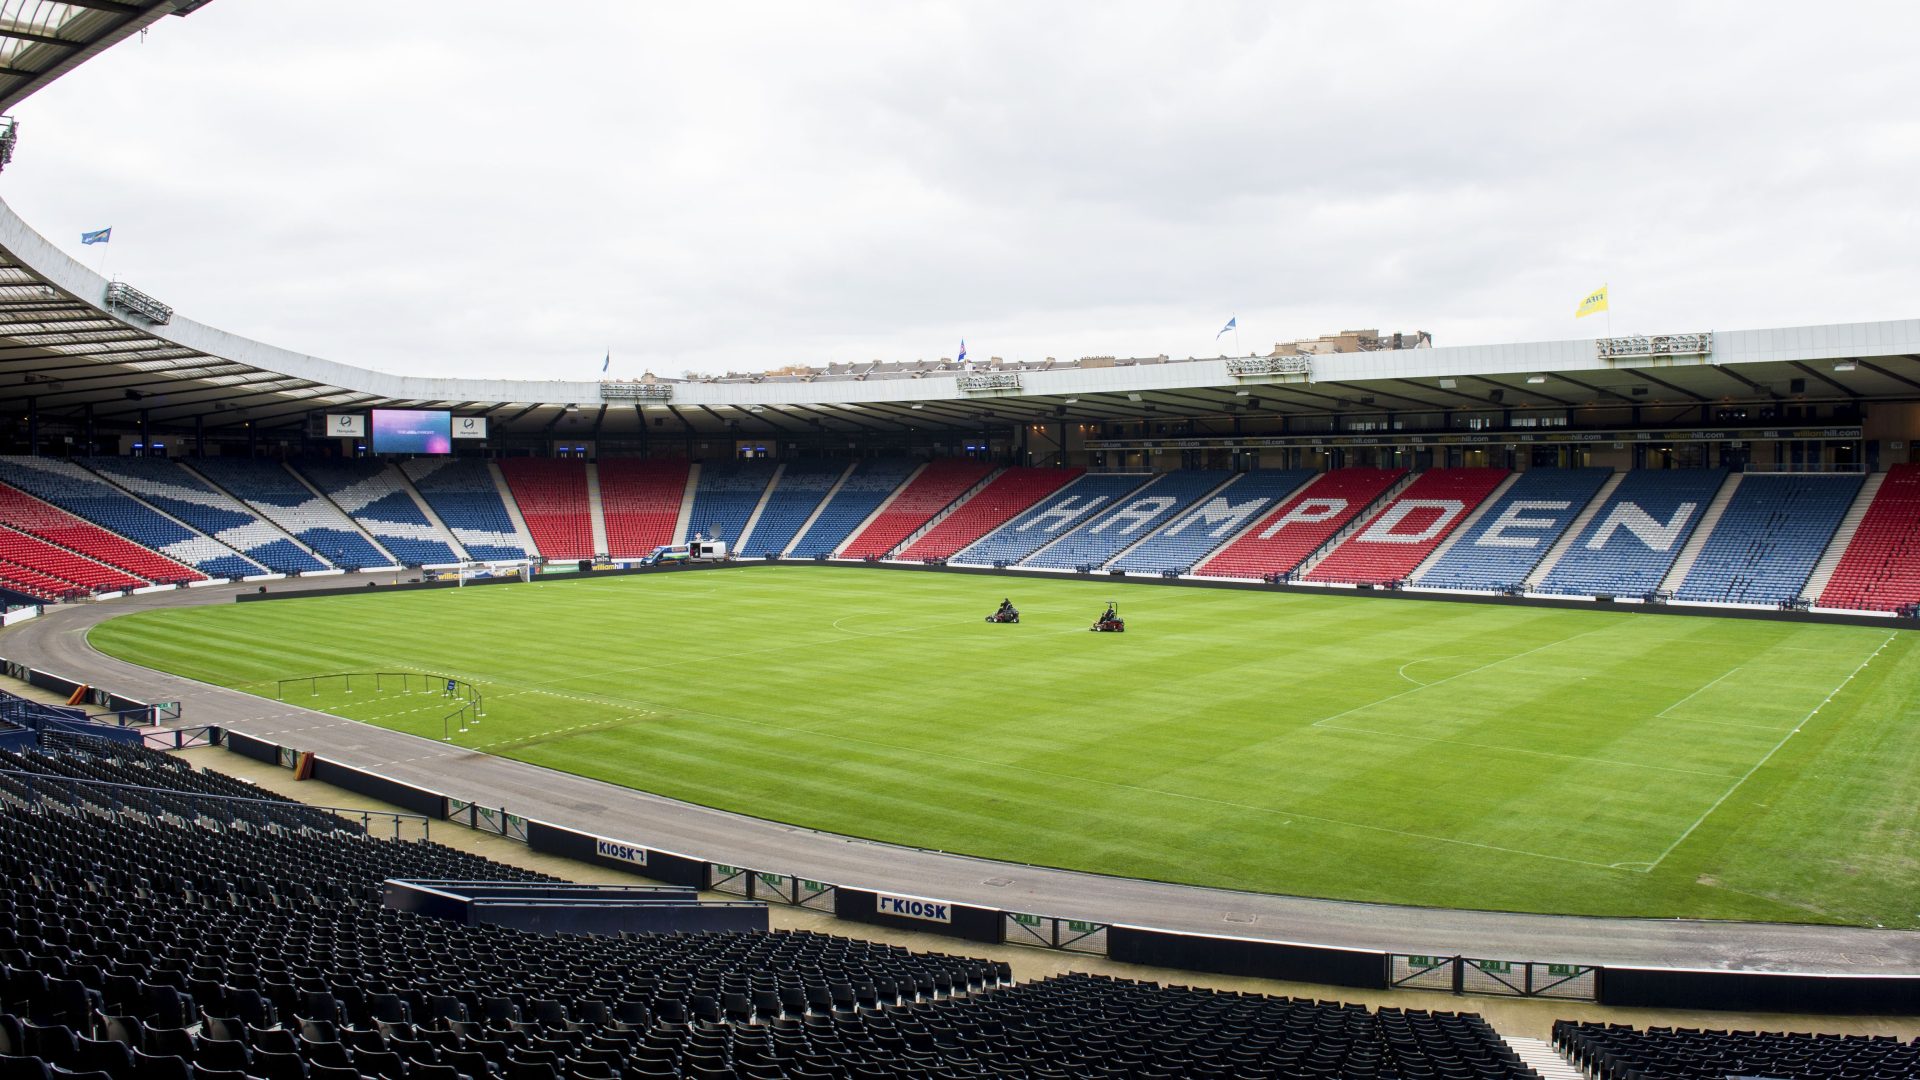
<point x="516" y="189"/>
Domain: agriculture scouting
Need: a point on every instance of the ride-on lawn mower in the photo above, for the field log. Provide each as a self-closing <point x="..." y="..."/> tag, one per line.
<point x="1006" y="613"/>
<point x="1110" y="621"/>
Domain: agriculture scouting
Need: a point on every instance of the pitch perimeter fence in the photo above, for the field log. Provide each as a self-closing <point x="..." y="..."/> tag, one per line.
<point x="1216" y="954"/>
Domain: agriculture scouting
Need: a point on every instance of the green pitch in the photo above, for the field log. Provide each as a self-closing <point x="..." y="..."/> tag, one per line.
<point x="1430" y="753"/>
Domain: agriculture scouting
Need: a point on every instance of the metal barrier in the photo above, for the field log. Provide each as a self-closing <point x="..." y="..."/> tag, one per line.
<point x="181" y="738"/>
<point x="1047" y="932"/>
<point x="469" y="704"/>
<point x="1501" y="978"/>
<point x="772" y="888"/>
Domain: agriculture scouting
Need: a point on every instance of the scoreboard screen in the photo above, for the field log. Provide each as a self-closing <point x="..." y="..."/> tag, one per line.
<point x="412" y="431"/>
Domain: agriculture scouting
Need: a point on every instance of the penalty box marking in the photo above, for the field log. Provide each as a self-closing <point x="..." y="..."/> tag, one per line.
<point x="1758" y="765"/>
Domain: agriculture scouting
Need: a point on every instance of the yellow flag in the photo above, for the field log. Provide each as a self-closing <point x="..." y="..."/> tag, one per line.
<point x="1595" y="301"/>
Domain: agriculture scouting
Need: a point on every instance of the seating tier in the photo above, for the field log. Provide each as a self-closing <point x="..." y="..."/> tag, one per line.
<point x="1634" y="539"/>
<point x="1408" y="529"/>
<point x="1051" y="518"/>
<point x="1008" y="494"/>
<point x="871" y="481"/>
<point x="552" y="496"/>
<point x="1285" y="537"/>
<point x="1499" y="551"/>
<point x="1880" y="570"/>
<point x="1768" y="539"/>
<point x="941" y="482"/>
<point x="640" y="501"/>
<point x="462" y="492"/>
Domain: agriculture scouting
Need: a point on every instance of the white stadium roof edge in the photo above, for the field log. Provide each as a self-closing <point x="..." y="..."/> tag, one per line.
<point x="73" y="342"/>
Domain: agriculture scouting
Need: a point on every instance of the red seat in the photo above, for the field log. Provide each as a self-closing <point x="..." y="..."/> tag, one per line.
<point x="1010" y="494"/>
<point x="1409" y="527"/>
<point x="552" y="496"/>
<point x="1880" y="570"/>
<point x="1284" y="538"/>
<point x="928" y="493"/>
<point x="640" y="501"/>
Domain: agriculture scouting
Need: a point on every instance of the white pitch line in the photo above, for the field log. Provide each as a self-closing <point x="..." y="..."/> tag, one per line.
<point x="1461" y="675"/>
<point x="1663" y="712"/>
<point x="1724" y="796"/>
<point x="1515" y="750"/>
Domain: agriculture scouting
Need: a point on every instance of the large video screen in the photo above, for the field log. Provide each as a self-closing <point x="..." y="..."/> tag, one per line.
<point x="412" y="431"/>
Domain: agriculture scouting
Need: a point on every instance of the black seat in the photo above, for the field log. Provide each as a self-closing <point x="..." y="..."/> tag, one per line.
<point x="160" y="1067"/>
<point x="274" y="1065"/>
<point x="24" y="1068"/>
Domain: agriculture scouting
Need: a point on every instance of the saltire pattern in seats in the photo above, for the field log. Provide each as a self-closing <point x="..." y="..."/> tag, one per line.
<point x="1128" y="520"/>
<point x="1286" y="537"/>
<point x="725" y="497"/>
<point x="1634" y="539"/>
<point x="1006" y="495"/>
<point x="72" y="488"/>
<point x="373" y="493"/>
<point x="1880" y="570"/>
<point x="1769" y="538"/>
<point x="640" y="502"/>
<point x="177" y="492"/>
<point x="1394" y="542"/>
<point x="279" y="496"/>
<point x="1213" y="521"/>
<point x="1498" y="551"/>
<point x="26" y="514"/>
<point x="552" y="496"/>
<point x="1050" y="519"/>
<point x="801" y="486"/>
<point x="929" y="492"/>
<point x="860" y="494"/>
<point x="462" y="492"/>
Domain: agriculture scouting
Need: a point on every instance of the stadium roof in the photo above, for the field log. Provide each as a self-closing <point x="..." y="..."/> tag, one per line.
<point x="41" y="40"/>
<point x="72" y="340"/>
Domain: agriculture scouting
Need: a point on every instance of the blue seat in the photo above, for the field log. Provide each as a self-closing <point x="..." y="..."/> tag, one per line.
<point x="725" y="498"/>
<point x="1510" y="539"/>
<point x="1051" y="518"/>
<point x="1631" y="543"/>
<point x="73" y="488"/>
<point x="462" y="492"/>
<point x="1128" y="519"/>
<point x="1768" y="539"/>
<point x="1194" y="534"/>
<point x="374" y="494"/>
<point x="859" y="496"/>
<point x="801" y="486"/>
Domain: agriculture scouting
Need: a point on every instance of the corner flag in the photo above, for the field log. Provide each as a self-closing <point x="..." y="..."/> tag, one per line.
<point x="97" y="236"/>
<point x="1595" y="301"/>
<point x="1232" y="324"/>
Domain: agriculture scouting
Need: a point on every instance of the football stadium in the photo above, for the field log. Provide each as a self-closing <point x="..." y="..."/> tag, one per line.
<point x="1372" y="706"/>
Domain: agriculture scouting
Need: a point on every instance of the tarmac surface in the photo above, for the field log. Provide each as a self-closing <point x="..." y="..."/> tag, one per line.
<point x="56" y="642"/>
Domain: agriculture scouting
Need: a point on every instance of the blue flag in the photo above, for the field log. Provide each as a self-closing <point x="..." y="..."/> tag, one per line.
<point x="97" y="236"/>
<point x="962" y="358"/>
<point x="1232" y="324"/>
<point x="607" y="363"/>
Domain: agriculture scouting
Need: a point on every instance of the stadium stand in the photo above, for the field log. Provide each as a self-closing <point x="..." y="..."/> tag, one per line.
<point x="933" y="490"/>
<point x="1880" y="570"/>
<point x="552" y="496"/>
<point x="801" y="486"/>
<point x="278" y="495"/>
<point x="1769" y="537"/>
<point x="1498" y="551"/>
<point x="1632" y="542"/>
<point x="1400" y="537"/>
<point x="374" y="494"/>
<point x="290" y="966"/>
<point x="72" y="488"/>
<point x="1009" y="493"/>
<point x="18" y="550"/>
<point x="1620" y="1052"/>
<point x="461" y="491"/>
<point x="1128" y="520"/>
<point x="640" y="501"/>
<point x="864" y="489"/>
<point x="261" y="546"/>
<point x="1194" y="534"/>
<point x="725" y="497"/>
<point x="1285" y="538"/>
<point x="29" y="515"/>
<point x="1050" y="519"/>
